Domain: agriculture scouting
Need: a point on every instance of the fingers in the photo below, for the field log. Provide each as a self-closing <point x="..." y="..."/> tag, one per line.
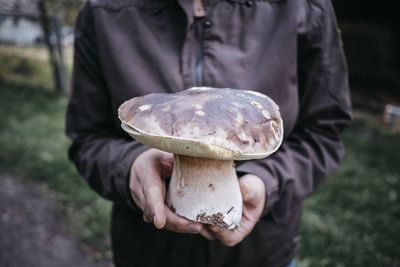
<point x="253" y="194"/>
<point x="179" y="224"/>
<point x="155" y="206"/>
<point x="207" y="234"/>
<point x="167" y="165"/>
<point x="146" y="219"/>
<point x="152" y="187"/>
<point x="228" y="237"/>
<point x="253" y="190"/>
<point x="147" y="187"/>
<point x="149" y="190"/>
<point x="137" y="193"/>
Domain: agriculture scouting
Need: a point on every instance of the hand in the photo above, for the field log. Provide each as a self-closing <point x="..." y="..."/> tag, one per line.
<point x="253" y="193"/>
<point x="148" y="190"/>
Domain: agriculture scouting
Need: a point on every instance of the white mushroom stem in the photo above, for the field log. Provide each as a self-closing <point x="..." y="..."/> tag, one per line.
<point x="206" y="191"/>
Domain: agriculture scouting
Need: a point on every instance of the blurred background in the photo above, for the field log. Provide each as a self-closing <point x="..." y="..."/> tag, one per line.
<point x="49" y="216"/>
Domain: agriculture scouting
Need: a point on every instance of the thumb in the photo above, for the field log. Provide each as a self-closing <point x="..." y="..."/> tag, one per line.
<point x="252" y="189"/>
<point x="245" y="189"/>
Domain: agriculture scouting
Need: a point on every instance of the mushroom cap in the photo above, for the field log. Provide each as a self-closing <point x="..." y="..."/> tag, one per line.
<point x="219" y="123"/>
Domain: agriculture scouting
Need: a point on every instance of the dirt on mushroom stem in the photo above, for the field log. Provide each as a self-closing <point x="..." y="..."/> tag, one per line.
<point x="205" y="190"/>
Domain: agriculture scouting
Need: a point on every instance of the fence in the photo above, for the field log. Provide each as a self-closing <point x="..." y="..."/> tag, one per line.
<point x="34" y="34"/>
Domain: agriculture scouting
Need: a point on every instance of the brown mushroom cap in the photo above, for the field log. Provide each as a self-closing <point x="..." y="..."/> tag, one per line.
<point x="206" y="122"/>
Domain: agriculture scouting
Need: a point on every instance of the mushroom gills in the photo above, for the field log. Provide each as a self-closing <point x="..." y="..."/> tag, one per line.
<point x="205" y="190"/>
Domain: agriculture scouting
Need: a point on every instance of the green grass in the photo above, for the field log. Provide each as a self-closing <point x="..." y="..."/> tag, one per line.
<point x="351" y="220"/>
<point x="33" y="145"/>
<point x="18" y="69"/>
<point x="354" y="218"/>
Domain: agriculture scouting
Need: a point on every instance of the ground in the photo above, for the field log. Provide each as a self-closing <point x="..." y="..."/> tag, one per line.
<point x="33" y="230"/>
<point x="353" y="219"/>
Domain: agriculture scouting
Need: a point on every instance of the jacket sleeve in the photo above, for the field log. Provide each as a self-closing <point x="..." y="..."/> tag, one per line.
<point x="100" y="151"/>
<point x="312" y="151"/>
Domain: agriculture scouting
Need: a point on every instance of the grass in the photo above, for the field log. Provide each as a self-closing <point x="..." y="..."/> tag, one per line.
<point x="353" y="219"/>
<point x="18" y="69"/>
<point x="33" y="146"/>
<point x="35" y="52"/>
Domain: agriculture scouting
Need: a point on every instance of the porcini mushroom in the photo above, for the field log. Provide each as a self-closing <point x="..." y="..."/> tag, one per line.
<point x="206" y="129"/>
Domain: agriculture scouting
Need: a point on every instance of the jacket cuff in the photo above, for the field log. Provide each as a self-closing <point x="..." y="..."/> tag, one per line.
<point x="122" y="177"/>
<point x="271" y="183"/>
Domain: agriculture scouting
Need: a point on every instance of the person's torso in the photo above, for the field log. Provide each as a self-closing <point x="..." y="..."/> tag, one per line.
<point x="157" y="46"/>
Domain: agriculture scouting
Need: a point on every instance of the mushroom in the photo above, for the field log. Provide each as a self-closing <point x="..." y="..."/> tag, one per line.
<point x="206" y="129"/>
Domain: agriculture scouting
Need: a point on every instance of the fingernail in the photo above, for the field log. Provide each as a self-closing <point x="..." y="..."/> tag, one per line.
<point x="156" y="221"/>
<point x="194" y="228"/>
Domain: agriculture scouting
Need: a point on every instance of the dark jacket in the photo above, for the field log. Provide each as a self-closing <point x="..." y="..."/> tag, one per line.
<point x="288" y="49"/>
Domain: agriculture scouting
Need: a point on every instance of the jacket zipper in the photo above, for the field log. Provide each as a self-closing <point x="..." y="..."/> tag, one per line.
<point x="198" y="32"/>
